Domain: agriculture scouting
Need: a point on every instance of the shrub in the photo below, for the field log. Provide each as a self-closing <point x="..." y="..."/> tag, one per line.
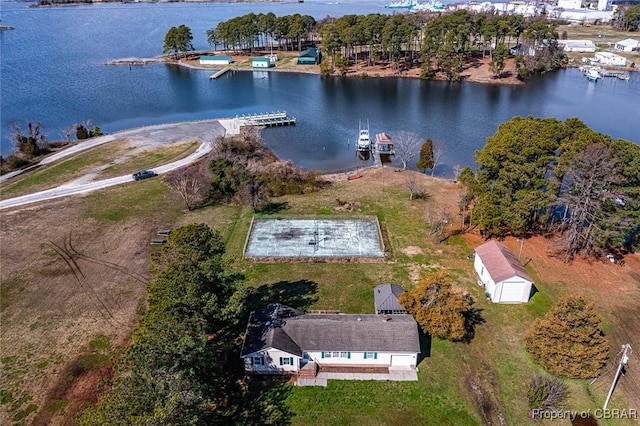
<point x="546" y="393"/>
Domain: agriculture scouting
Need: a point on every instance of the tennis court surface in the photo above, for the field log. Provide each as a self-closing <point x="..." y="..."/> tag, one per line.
<point x="315" y="238"/>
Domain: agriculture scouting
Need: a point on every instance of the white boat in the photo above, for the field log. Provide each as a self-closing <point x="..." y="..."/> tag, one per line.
<point x="593" y="74"/>
<point x="401" y="4"/>
<point x="364" y="139"/>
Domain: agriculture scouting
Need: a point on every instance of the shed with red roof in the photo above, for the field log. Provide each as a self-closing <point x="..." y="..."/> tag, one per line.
<point x="501" y="273"/>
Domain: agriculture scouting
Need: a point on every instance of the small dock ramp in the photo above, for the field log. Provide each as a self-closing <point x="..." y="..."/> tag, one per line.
<point x="268" y="119"/>
<point x="218" y="73"/>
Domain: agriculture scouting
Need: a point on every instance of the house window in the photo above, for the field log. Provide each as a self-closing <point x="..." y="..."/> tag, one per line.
<point x="257" y="360"/>
<point x="336" y="354"/>
<point x="371" y="355"/>
<point x="286" y="360"/>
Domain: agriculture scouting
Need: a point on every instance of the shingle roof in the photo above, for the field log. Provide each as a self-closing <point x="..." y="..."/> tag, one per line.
<point x="500" y="262"/>
<point x="386" y="297"/>
<point x="287" y="329"/>
<point x="265" y="330"/>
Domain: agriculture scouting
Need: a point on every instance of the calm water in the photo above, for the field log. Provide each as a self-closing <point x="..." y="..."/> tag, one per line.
<point x="53" y="71"/>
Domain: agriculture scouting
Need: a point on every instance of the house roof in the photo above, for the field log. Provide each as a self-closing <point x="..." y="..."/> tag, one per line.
<point x="386" y="297"/>
<point x="260" y="59"/>
<point x="330" y="332"/>
<point x="383" y="138"/>
<point x="215" y="58"/>
<point x="265" y="330"/>
<point x="311" y="52"/>
<point x="500" y="262"/>
<point x="628" y="42"/>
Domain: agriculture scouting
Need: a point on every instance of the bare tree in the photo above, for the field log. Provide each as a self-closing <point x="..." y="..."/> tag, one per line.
<point x="415" y="192"/>
<point x="68" y="132"/>
<point x="438" y="151"/>
<point x="256" y="194"/>
<point x="189" y="183"/>
<point x="587" y="201"/>
<point x="438" y="221"/>
<point x="407" y="146"/>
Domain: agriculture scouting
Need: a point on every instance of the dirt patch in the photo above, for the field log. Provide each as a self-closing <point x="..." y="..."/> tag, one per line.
<point x="68" y="279"/>
<point x="614" y="288"/>
<point x="411" y="250"/>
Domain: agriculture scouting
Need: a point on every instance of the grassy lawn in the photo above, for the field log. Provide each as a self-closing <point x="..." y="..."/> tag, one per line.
<point x="109" y="160"/>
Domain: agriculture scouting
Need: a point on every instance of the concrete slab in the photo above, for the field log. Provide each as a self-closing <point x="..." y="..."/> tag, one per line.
<point x="314" y="238"/>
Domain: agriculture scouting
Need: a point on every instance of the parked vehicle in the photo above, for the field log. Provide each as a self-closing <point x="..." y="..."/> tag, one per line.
<point x="144" y="174"/>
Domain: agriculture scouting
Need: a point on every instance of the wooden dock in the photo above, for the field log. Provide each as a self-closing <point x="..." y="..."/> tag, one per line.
<point x="218" y="73"/>
<point x="268" y="119"/>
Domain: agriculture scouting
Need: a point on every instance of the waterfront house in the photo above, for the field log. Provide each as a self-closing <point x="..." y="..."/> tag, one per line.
<point x="608" y="58"/>
<point x="385" y="297"/>
<point x="215" y="60"/>
<point x="283" y="340"/>
<point x="628" y="45"/>
<point x="261" y="62"/>
<point x="501" y="274"/>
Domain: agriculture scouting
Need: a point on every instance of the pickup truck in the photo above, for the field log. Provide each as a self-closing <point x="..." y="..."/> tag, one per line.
<point x="144" y="174"/>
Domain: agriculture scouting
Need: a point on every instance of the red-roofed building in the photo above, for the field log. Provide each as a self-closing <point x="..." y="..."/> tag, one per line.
<point x="501" y="273"/>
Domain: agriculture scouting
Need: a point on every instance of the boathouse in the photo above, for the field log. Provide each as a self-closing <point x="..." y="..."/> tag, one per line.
<point x="311" y="56"/>
<point x="261" y="62"/>
<point x="384" y="144"/>
<point x="215" y="60"/>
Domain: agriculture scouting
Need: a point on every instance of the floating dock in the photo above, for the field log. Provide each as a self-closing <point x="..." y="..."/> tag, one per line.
<point x="218" y="73"/>
<point x="270" y="119"/>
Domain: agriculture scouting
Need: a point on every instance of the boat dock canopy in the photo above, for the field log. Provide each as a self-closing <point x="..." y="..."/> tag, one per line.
<point x="384" y="144"/>
<point x="310" y="56"/>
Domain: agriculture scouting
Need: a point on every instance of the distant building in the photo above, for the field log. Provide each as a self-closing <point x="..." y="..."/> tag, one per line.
<point x="386" y="299"/>
<point x="628" y="45"/>
<point x="215" y="60"/>
<point x="608" y="58"/>
<point x="311" y="56"/>
<point x="578" y="45"/>
<point x="261" y="62"/>
<point x="504" y="278"/>
<point x="570" y="4"/>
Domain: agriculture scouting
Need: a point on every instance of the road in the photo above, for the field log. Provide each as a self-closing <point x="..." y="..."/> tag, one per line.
<point x="204" y="131"/>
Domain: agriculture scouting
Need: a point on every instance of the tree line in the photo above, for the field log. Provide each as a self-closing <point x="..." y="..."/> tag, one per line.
<point x="438" y="42"/>
<point x="544" y="176"/>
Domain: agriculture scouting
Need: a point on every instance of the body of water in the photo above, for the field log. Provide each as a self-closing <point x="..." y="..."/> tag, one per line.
<point x="53" y="71"/>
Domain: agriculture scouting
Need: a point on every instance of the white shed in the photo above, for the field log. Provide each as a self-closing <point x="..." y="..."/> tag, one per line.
<point x="261" y="62"/>
<point x="215" y="60"/>
<point x="628" y="45"/>
<point x="500" y="272"/>
<point x="608" y="58"/>
<point x="578" y="46"/>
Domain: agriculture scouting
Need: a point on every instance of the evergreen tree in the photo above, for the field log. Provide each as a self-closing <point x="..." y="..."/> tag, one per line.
<point x="426" y="156"/>
<point x="569" y="341"/>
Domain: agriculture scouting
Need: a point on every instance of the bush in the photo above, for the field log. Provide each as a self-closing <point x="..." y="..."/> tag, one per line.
<point x="568" y="341"/>
<point x="546" y="393"/>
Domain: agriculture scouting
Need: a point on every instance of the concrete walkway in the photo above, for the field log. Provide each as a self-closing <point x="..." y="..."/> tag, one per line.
<point x="395" y="375"/>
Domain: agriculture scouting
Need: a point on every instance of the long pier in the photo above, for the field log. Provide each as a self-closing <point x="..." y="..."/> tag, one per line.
<point x="218" y="73"/>
<point x="269" y="119"/>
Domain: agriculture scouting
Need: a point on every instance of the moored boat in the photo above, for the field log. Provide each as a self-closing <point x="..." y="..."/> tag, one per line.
<point x="593" y="74"/>
<point x="364" y="139"/>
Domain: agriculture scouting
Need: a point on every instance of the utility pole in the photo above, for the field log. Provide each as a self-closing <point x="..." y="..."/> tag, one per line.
<point x="624" y="359"/>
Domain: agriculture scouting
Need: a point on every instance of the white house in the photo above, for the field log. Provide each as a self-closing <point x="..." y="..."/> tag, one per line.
<point x="608" y="58"/>
<point x="261" y="62"/>
<point x="578" y="45"/>
<point x="215" y="60"/>
<point x="500" y="272"/>
<point x="628" y="45"/>
<point x="283" y="340"/>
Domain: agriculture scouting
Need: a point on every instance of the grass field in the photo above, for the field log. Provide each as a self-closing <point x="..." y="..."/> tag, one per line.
<point x="50" y="323"/>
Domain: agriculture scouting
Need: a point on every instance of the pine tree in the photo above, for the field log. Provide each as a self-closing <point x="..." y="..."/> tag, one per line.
<point x="426" y="156"/>
<point x="569" y="341"/>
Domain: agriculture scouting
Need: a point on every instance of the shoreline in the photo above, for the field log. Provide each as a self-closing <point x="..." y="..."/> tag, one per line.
<point x="472" y="74"/>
